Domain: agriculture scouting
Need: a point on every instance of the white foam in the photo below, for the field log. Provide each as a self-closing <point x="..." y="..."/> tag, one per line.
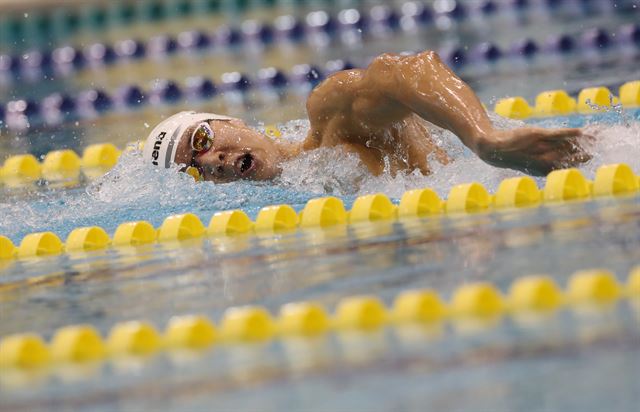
<point x="331" y="171"/>
<point x="132" y="190"/>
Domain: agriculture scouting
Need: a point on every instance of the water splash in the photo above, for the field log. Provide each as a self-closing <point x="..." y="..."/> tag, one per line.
<point x="331" y="171"/>
<point x="133" y="191"/>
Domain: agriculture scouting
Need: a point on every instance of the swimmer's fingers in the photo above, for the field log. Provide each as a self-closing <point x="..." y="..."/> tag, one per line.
<point x="574" y="156"/>
<point x="568" y="155"/>
<point x="554" y="134"/>
<point x="554" y="153"/>
<point x="575" y="136"/>
<point x="572" y="146"/>
<point x="578" y="158"/>
<point x="575" y="151"/>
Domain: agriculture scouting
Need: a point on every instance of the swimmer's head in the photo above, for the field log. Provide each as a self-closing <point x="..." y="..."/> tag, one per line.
<point x="219" y="148"/>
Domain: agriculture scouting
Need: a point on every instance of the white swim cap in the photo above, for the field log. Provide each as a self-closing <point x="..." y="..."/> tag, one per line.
<point x="162" y="144"/>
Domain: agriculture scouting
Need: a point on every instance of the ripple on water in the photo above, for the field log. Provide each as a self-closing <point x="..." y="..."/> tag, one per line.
<point x="133" y="191"/>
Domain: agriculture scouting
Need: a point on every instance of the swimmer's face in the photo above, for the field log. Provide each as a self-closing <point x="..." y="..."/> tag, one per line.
<point x="238" y="152"/>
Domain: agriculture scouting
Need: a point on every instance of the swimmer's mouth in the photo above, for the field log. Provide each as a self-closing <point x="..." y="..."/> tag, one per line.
<point x="245" y="164"/>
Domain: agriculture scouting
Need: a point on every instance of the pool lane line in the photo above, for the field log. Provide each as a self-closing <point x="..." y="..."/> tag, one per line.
<point x="59" y="107"/>
<point x="561" y="186"/>
<point x="59" y="168"/>
<point x="58" y="23"/>
<point x="62" y="167"/>
<point x="292" y="29"/>
<point x="418" y="11"/>
<point x="471" y="306"/>
<point x="589" y="100"/>
<point x="68" y="60"/>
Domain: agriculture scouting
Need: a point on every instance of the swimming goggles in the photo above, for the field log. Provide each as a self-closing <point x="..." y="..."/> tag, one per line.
<point x="201" y="141"/>
<point x="202" y="138"/>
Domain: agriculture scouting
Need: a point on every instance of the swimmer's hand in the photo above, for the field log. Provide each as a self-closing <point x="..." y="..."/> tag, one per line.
<point x="535" y="151"/>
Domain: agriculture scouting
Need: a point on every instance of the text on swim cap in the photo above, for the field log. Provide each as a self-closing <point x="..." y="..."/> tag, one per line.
<point x="156" y="148"/>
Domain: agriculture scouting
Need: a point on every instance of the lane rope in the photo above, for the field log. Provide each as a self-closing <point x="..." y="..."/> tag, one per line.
<point x="562" y="186"/>
<point x="483" y="302"/>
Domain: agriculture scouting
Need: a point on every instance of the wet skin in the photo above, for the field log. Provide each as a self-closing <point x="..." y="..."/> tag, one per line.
<point x="238" y="152"/>
<point x="379" y="112"/>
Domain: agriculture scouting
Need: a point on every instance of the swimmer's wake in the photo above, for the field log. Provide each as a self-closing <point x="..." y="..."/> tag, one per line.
<point x="134" y="191"/>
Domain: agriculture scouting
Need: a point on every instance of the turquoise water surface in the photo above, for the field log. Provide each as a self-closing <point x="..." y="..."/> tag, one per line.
<point x="573" y="360"/>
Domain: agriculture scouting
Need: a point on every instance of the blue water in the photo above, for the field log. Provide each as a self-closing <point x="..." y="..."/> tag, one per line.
<point x="573" y="361"/>
<point x="133" y="191"/>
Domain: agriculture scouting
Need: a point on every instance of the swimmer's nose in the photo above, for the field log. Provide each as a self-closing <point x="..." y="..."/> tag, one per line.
<point x="220" y="165"/>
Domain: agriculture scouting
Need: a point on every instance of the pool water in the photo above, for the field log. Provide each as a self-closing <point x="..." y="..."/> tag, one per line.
<point x="132" y="191"/>
<point x="571" y="360"/>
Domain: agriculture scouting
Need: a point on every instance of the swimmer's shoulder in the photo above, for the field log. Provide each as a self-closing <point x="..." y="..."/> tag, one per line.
<point x="334" y="95"/>
<point x="337" y="85"/>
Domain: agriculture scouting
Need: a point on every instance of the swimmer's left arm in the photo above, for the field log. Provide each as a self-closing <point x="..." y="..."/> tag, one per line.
<point x="423" y="84"/>
<point x="357" y="103"/>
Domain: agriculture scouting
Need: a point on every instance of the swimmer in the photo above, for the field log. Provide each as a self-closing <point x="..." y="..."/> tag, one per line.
<point x="378" y="113"/>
